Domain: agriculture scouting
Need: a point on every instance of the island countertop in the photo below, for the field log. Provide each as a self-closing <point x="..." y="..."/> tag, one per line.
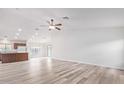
<point x="11" y="52"/>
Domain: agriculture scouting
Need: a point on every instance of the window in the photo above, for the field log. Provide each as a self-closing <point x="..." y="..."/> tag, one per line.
<point x="49" y="50"/>
<point x="7" y="47"/>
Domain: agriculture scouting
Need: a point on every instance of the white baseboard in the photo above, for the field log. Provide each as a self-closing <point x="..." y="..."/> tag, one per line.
<point x="77" y="61"/>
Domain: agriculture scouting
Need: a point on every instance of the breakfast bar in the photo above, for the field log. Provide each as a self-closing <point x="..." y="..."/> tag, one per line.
<point x="13" y="57"/>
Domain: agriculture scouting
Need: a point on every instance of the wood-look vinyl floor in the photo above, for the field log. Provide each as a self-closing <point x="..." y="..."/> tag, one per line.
<point x="45" y="71"/>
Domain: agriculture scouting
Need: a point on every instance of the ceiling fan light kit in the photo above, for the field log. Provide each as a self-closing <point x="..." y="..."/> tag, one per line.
<point x="65" y="17"/>
<point x="51" y="27"/>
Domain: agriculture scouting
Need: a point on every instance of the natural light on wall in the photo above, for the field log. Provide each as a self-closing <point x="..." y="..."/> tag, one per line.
<point x="110" y="53"/>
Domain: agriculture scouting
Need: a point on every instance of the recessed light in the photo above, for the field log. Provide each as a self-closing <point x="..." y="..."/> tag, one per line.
<point x="17" y="8"/>
<point x="19" y="29"/>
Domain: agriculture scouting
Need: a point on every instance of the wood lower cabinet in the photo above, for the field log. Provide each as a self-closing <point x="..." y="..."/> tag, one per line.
<point x="22" y="57"/>
<point x="0" y="57"/>
<point x="13" y="57"/>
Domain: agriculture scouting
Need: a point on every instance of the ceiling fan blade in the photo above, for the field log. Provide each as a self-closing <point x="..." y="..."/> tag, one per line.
<point x="58" y="24"/>
<point x="57" y="28"/>
<point x="65" y="17"/>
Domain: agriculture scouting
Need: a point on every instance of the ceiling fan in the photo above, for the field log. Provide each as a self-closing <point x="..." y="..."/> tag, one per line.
<point x="52" y="25"/>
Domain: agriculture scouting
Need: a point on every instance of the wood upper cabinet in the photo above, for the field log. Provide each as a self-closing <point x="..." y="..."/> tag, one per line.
<point x="18" y="44"/>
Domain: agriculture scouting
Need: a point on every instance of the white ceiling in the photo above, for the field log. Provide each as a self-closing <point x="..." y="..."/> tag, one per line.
<point x="29" y="19"/>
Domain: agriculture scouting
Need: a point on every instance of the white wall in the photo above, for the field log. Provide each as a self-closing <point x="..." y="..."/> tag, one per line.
<point x="101" y="46"/>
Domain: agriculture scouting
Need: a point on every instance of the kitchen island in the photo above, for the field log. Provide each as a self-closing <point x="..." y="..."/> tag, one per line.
<point x="13" y="57"/>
